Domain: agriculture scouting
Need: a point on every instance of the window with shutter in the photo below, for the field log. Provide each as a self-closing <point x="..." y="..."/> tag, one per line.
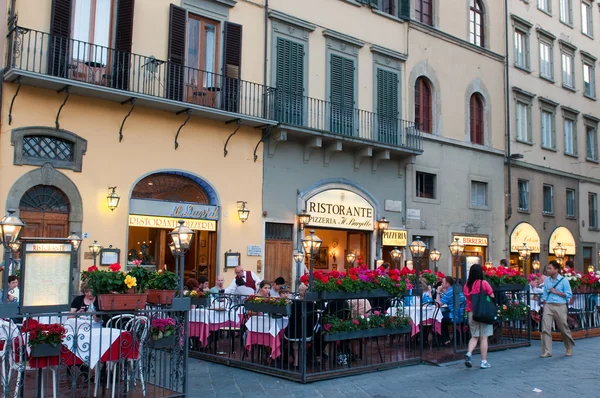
<point x="289" y="81"/>
<point x="387" y="106"/>
<point x="201" y="78"/>
<point x="476" y="120"/>
<point x="60" y="34"/>
<point x="342" y="95"/>
<point x="123" y="39"/>
<point x="233" y="64"/>
<point x="176" y="52"/>
<point x="423" y="105"/>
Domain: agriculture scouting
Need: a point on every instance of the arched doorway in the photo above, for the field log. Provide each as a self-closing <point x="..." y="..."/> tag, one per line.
<point x="157" y="202"/>
<point x="45" y="210"/>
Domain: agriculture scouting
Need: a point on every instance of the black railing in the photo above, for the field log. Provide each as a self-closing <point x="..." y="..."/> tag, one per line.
<point x="583" y="315"/>
<point x="70" y="59"/>
<point x="299" y="110"/>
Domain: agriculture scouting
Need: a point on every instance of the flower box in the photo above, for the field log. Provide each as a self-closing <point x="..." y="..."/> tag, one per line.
<point x="269" y="308"/>
<point x="45" y="350"/>
<point x="120" y="302"/>
<point x="509" y="287"/>
<point x="201" y="301"/>
<point x="363" y="334"/>
<point x="345" y="295"/>
<point x="161" y="297"/>
<point x="163" y="342"/>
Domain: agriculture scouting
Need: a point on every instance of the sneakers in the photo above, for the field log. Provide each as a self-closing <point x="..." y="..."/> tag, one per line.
<point x="569" y="352"/>
<point x="468" y="363"/>
<point x="485" y="365"/>
<point x="342" y="360"/>
<point x="546" y="355"/>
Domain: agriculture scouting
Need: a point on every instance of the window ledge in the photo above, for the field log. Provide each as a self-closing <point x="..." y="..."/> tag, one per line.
<point x="572" y="155"/>
<point x="571" y="217"/>
<point x="545" y="214"/>
<point x="572" y="89"/>
<point x="590" y="97"/>
<point x="426" y="200"/>
<point x="592" y="160"/>
<point x="570" y="25"/>
<point x="547" y="148"/>
<point x="520" y="141"/>
<point x="473" y="207"/>
<point x="591" y="37"/>
<point x="548" y="79"/>
<point x="594" y="229"/>
<point x="545" y="12"/>
<point x="524" y="211"/>
<point x="523" y="68"/>
<point x="353" y="2"/>
<point x="386" y="15"/>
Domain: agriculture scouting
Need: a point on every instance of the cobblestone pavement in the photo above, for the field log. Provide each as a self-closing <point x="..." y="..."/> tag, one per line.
<point x="514" y="373"/>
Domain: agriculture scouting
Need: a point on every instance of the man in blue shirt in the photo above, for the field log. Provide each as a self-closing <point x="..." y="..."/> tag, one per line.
<point x="556" y="296"/>
<point x="447" y="299"/>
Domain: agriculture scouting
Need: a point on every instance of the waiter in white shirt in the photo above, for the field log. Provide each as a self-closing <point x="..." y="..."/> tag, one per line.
<point x="252" y="280"/>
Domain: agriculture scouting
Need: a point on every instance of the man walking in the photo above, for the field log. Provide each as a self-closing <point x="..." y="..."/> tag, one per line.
<point x="556" y="295"/>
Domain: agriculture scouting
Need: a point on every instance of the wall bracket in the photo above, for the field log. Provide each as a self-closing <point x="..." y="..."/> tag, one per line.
<point x="265" y="135"/>
<point x="13" y="101"/>
<point x="189" y="113"/>
<point x="132" y="102"/>
<point x="67" y="90"/>
<point x="237" y="122"/>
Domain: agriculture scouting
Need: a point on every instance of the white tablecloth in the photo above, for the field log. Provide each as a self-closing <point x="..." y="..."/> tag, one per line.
<point x="266" y="324"/>
<point x="90" y="344"/>
<point x="415" y="313"/>
<point x="205" y="315"/>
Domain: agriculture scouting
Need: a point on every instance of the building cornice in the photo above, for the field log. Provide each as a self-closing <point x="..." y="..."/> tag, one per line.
<point x="332" y="34"/>
<point x="273" y="14"/>
<point x="388" y="53"/>
<point x="462" y="144"/>
<point x="549" y="170"/>
<point x="545" y="33"/>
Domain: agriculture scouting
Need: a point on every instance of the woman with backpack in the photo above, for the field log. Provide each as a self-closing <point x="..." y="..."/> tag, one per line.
<point x="479" y="331"/>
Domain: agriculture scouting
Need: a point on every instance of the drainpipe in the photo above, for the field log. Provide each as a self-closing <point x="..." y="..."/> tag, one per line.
<point x="507" y="98"/>
<point x="266" y="42"/>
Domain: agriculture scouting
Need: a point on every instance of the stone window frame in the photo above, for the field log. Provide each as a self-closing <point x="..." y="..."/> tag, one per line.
<point x="589" y="60"/>
<point x="551" y="212"/>
<point x="593" y="122"/>
<point x="390" y="61"/>
<point x="572" y="115"/>
<point x="527" y="184"/>
<point x="477" y="86"/>
<point x="549" y="106"/>
<point x="595" y="215"/>
<point x="547" y="38"/>
<point x="488" y="185"/>
<point x="567" y="215"/>
<point x="427" y="170"/>
<point x="549" y="10"/>
<point x="526" y="98"/>
<point x="590" y="21"/>
<point x="424" y="69"/>
<point x="569" y="23"/>
<point x="568" y="49"/>
<point x="524" y="27"/>
<point x="20" y="159"/>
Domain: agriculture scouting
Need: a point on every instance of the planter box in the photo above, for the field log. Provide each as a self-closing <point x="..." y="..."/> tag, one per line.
<point x="45" y="350"/>
<point x="162" y="297"/>
<point x="201" y="301"/>
<point x="269" y="308"/>
<point x="509" y="287"/>
<point x="363" y="334"/>
<point x="165" y="342"/>
<point x="121" y="302"/>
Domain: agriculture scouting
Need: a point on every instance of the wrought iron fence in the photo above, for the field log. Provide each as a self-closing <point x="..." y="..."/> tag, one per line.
<point x="100" y="66"/>
<point x="583" y="315"/>
<point x="101" y="354"/>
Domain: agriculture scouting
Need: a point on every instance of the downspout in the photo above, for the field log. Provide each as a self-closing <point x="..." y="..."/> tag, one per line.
<point x="8" y="57"/>
<point x="507" y="98"/>
<point x="266" y="44"/>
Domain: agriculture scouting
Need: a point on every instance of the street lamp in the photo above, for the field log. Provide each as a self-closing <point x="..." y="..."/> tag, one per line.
<point x="456" y="249"/>
<point x="15" y="246"/>
<point x="75" y="241"/>
<point x="417" y="249"/>
<point x="382" y="225"/>
<point x="488" y="265"/>
<point x="559" y="252"/>
<point x="298" y="257"/>
<point x="396" y="256"/>
<point x="434" y="256"/>
<point x="350" y="258"/>
<point x="182" y="239"/>
<point x="590" y="268"/>
<point x="303" y="220"/>
<point x="535" y="264"/>
<point x="11" y="226"/>
<point x="525" y="252"/>
<point x="312" y="245"/>
<point x="95" y="250"/>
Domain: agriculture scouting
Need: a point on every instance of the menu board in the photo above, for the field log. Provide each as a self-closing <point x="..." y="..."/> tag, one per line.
<point x="46" y="275"/>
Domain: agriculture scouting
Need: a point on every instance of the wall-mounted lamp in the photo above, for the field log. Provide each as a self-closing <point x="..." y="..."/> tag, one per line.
<point x="243" y="212"/>
<point x="333" y="253"/>
<point x="303" y="219"/>
<point x="113" y="199"/>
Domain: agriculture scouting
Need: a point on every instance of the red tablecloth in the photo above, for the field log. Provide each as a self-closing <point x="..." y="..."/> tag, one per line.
<point x="266" y="339"/>
<point x="437" y="326"/>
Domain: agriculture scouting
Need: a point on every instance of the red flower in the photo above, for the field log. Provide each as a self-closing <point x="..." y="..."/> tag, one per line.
<point x="353" y="277"/>
<point x="355" y="321"/>
<point x="339" y="281"/>
<point x="114" y="267"/>
<point x="304" y="278"/>
<point x="327" y="327"/>
<point x="92" y="268"/>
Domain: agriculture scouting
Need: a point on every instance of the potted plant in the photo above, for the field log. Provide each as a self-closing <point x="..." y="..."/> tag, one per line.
<point x="163" y="332"/>
<point x="574" y="278"/>
<point x="199" y="299"/>
<point x="109" y="288"/>
<point x="162" y="287"/>
<point x="369" y="325"/>
<point x="505" y="279"/>
<point x="513" y="311"/>
<point x="142" y="276"/>
<point x="271" y="305"/>
<point x="44" y="340"/>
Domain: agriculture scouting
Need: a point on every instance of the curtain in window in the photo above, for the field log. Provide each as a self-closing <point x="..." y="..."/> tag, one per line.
<point x="591" y="143"/>
<point x="547" y="139"/>
<point x="476" y="119"/>
<point x="568" y="126"/>
<point x="209" y="54"/>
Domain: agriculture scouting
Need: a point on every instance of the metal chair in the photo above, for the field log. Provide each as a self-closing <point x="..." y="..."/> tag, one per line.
<point x="428" y="324"/>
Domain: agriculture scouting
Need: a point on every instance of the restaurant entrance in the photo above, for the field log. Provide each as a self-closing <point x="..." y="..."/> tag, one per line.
<point x="337" y="244"/>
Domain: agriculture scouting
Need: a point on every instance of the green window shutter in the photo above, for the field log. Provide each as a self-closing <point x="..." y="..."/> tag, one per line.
<point x="387" y="106"/>
<point x="289" y="81"/>
<point x="404" y="9"/>
<point x="342" y="95"/>
<point x="375" y="3"/>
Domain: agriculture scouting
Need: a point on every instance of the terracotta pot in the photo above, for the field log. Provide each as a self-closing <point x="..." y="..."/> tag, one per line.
<point x="119" y="302"/>
<point x="162" y="297"/>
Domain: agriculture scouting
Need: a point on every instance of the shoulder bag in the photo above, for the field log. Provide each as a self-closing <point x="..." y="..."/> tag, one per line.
<point x="484" y="307"/>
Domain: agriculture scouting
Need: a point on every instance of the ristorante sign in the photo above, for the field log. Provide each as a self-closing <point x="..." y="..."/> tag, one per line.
<point x="339" y="208"/>
<point x="170" y="223"/>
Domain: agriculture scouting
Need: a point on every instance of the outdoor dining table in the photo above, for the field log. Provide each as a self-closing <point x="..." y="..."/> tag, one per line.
<point x="203" y="321"/>
<point x="414" y="313"/>
<point x="267" y="331"/>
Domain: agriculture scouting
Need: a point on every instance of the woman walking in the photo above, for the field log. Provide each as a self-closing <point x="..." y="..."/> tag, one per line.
<point x="479" y="331"/>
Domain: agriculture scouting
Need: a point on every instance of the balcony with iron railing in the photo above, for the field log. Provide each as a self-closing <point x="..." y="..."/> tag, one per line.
<point x="43" y="60"/>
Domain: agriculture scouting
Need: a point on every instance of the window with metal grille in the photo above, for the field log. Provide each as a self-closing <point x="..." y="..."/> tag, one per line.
<point x="274" y="231"/>
<point x="50" y="148"/>
<point x="425" y="185"/>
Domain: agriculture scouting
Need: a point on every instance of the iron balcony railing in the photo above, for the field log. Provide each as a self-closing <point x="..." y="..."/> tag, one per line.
<point x="41" y="53"/>
<point x="299" y="110"/>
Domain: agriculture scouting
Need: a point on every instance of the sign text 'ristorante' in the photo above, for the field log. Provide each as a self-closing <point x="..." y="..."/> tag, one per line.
<point x="338" y="208"/>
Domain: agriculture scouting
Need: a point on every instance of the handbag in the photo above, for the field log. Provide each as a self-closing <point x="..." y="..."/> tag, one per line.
<point x="484" y="307"/>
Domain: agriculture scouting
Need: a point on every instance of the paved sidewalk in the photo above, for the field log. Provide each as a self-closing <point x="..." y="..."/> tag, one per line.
<point x="514" y="373"/>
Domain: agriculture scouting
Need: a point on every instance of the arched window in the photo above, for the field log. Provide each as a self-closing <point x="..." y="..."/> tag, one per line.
<point x="170" y="187"/>
<point x="476" y="119"/>
<point x="423" y="104"/>
<point x="476" y="14"/>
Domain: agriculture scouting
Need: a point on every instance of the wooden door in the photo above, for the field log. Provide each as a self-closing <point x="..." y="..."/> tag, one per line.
<point x="278" y="260"/>
<point x="45" y="224"/>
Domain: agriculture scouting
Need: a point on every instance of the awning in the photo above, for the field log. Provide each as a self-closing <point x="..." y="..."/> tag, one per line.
<point x="525" y="233"/>
<point x="563" y="236"/>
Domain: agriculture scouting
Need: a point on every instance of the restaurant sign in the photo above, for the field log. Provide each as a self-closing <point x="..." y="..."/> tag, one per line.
<point x="563" y="236"/>
<point x="173" y="209"/>
<point x="524" y="233"/>
<point x="339" y="208"/>
<point x="395" y="237"/>
<point x="472" y="240"/>
<point x="170" y="223"/>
